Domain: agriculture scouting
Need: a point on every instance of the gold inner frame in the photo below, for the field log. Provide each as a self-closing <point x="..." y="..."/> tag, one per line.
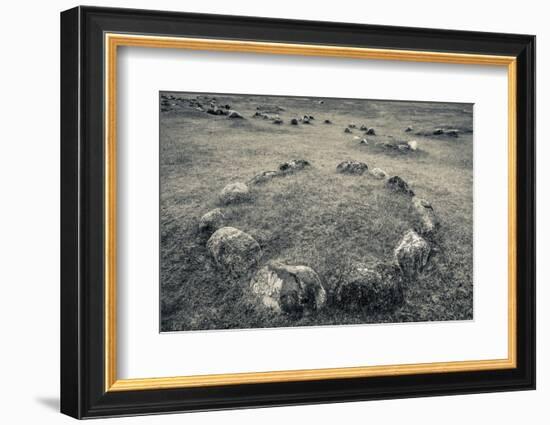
<point x="113" y="41"/>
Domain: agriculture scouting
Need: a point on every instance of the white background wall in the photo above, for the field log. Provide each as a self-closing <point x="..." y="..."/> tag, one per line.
<point x="29" y="212"/>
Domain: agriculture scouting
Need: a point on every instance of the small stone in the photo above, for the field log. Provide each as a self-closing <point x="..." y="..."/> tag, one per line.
<point x="451" y="133"/>
<point x="277" y="121"/>
<point x="234" y="193"/>
<point x="347" y="130"/>
<point x="356" y="138"/>
<point x="428" y="222"/>
<point x="397" y="184"/>
<point x="403" y="147"/>
<point x="363" y="128"/>
<point x="412" y="254"/>
<point x="438" y="131"/>
<point x="363" y="142"/>
<point x="408" y="129"/>
<point x="371" y="132"/>
<point x="327" y="121"/>
<point x="352" y="167"/>
<point x="264" y="177"/>
<point x="413" y="145"/>
<point x="212" y="221"/>
<point x="377" y="288"/>
<point x="352" y="125"/>
<point x="379" y="173"/>
<point x="294" y="165"/>
<point x="234" y="251"/>
<point x="294" y="121"/>
<point x="294" y="290"/>
<point x="321" y="102"/>
<point x="234" y="114"/>
<point x="311" y="117"/>
<point x="305" y="119"/>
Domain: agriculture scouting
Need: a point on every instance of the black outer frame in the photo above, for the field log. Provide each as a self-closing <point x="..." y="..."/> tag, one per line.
<point x="82" y="218"/>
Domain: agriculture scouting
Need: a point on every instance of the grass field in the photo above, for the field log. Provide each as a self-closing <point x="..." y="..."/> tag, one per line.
<point x="315" y="217"/>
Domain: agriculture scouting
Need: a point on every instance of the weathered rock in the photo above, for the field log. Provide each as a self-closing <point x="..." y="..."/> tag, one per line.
<point x="438" y="131"/>
<point x="289" y="289"/>
<point x="294" y="165"/>
<point x="352" y="167"/>
<point x="305" y="119"/>
<point x="264" y="177"/>
<point x="234" y="193"/>
<point x="412" y="254"/>
<point x="363" y="141"/>
<point x="327" y="121"/>
<point x="371" y="131"/>
<point x="397" y="184"/>
<point x="347" y="130"/>
<point x="234" y="251"/>
<point x="408" y="129"/>
<point x="377" y="288"/>
<point x="277" y="121"/>
<point x="212" y="221"/>
<point x="294" y="121"/>
<point x="234" y="114"/>
<point x="379" y="173"/>
<point x="363" y="128"/>
<point x="427" y="220"/>
<point x="413" y="145"/>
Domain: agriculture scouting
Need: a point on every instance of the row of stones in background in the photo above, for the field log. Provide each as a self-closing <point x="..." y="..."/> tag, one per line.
<point x="298" y="290"/>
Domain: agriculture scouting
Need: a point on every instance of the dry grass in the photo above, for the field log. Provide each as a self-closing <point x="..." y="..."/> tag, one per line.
<point x="315" y="217"/>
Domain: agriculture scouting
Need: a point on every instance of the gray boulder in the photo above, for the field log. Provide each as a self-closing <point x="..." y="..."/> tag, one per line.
<point x="212" y="221"/>
<point x="377" y="288"/>
<point x="378" y="173"/>
<point x="234" y="251"/>
<point x="234" y="193"/>
<point x="427" y="220"/>
<point x="352" y="167"/>
<point x="398" y="185"/>
<point x="412" y="253"/>
<point x="294" y="290"/>
<point x="264" y="177"/>
<point x="294" y="165"/>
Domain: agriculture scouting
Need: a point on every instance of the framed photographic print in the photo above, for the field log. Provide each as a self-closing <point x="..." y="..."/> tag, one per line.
<point x="261" y="212"/>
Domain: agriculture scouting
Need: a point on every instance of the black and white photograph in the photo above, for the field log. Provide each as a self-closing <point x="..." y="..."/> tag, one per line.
<point x="283" y="211"/>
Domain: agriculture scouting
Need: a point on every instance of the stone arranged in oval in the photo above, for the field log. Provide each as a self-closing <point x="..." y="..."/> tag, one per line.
<point x="428" y="222"/>
<point x="412" y="253"/>
<point x="352" y="167"/>
<point x="234" y="193"/>
<point x="397" y="184"/>
<point x="234" y="251"/>
<point x="377" y="288"/>
<point x="295" y="290"/>
<point x="212" y="221"/>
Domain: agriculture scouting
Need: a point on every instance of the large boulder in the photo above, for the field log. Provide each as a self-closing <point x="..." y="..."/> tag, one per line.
<point x="427" y="220"/>
<point x="412" y="253"/>
<point x="377" y="288"/>
<point x="234" y="251"/>
<point x="294" y="165"/>
<point x="397" y="184"/>
<point x="294" y="290"/>
<point x="212" y="221"/>
<point x="352" y="167"/>
<point x="234" y="193"/>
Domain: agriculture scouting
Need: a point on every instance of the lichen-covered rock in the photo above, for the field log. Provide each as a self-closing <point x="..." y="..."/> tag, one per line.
<point x="290" y="289"/>
<point x="397" y="184"/>
<point x="234" y="114"/>
<point x="264" y="177"/>
<point x="212" y="221"/>
<point x="377" y="288"/>
<point x="352" y="167"/>
<point x="234" y="193"/>
<point x="234" y="251"/>
<point x="294" y="165"/>
<point x="412" y="253"/>
<point x="378" y="173"/>
<point x="427" y="220"/>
